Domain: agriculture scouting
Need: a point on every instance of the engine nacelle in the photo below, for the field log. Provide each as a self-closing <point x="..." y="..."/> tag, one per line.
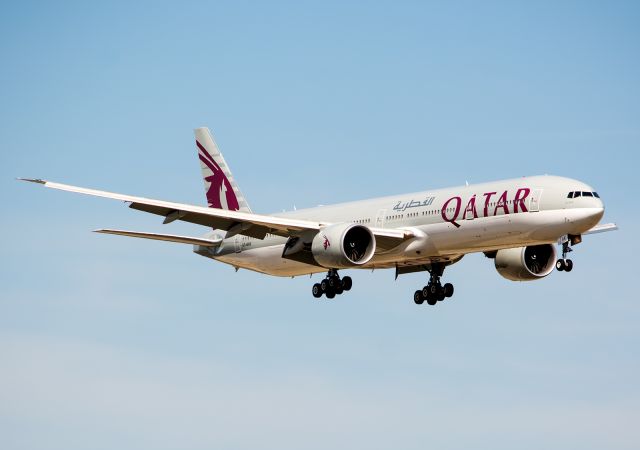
<point x="526" y="263"/>
<point x="343" y="245"/>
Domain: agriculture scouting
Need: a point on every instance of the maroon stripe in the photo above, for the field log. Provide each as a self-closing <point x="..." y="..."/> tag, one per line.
<point x="208" y="163"/>
<point x="205" y="152"/>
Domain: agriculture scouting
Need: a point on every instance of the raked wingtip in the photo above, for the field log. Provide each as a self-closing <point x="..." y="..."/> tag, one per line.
<point x="32" y="180"/>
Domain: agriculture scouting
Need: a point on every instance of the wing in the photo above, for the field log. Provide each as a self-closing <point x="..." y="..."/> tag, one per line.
<point x="602" y="228"/>
<point x="234" y="222"/>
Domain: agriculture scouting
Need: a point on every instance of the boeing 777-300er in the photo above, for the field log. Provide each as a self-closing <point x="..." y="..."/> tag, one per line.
<point x="517" y="223"/>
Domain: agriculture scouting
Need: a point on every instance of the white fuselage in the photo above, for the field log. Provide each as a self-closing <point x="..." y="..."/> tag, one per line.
<point x="447" y="223"/>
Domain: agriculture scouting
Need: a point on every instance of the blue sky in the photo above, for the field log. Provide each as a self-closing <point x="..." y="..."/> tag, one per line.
<point x="109" y="342"/>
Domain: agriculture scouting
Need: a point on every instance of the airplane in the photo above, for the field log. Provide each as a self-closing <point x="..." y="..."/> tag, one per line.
<point x="515" y="222"/>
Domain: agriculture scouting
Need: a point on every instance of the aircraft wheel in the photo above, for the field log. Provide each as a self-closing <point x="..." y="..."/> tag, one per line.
<point x="418" y="298"/>
<point x="560" y="266"/>
<point x="332" y="282"/>
<point x="569" y="265"/>
<point x="425" y="292"/>
<point x="316" y="290"/>
<point x="324" y="285"/>
<point x="448" y="290"/>
<point x="330" y="293"/>
<point x="339" y="290"/>
<point x="432" y="300"/>
<point x="347" y="283"/>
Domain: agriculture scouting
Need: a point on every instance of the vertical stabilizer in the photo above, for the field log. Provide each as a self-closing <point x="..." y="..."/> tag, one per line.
<point x="220" y="187"/>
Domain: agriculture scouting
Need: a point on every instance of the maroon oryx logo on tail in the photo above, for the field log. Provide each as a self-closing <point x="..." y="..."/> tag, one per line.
<point x="220" y="193"/>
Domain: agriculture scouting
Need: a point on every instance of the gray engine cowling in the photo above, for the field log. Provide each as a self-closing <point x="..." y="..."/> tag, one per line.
<point x="526" y="263"/>
<point x="343" y="245"/>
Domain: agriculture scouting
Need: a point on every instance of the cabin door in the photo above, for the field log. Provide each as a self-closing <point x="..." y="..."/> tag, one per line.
<point x="534" y="204"/>
<point x="380" y="218"/>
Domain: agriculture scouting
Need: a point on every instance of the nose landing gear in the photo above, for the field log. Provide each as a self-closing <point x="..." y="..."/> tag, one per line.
<point x="434" y="291"/>
<point x="332" y="285"/>
<point x="564" y="264"/>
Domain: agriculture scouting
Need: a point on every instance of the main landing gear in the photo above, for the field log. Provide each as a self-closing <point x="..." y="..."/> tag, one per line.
<point x="434" y="292"/>
<point x="332" y="285"/>
<point x="564" y="264"/>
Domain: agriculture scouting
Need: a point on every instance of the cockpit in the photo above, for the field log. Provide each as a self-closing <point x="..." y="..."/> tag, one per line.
<point x="576" y="194"/>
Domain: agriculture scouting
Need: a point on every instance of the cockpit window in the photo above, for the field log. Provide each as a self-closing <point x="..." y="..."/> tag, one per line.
<point x="595" y="194"/>
<point x="570" y="195"/>
<point x="587" y="194"/>
<point x="577" y="194"/>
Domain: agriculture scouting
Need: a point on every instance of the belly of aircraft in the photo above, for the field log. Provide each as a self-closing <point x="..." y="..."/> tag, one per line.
<point x="475" y="235"/>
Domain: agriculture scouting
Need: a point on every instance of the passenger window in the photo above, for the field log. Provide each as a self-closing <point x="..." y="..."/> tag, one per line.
<point x="587" y="194"/>
<point x="595" y="194"/>
<point x="577" y="194"/>
<point x="570" y="195"/>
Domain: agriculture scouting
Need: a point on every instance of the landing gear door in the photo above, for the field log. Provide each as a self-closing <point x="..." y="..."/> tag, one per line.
<point x="534" y="204"/>
<point x="380" y="218"/>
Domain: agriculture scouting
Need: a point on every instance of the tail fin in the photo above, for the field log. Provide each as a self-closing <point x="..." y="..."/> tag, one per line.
<point x="220" y="187"/>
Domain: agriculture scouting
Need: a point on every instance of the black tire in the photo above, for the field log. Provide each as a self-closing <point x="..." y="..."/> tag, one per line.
<point x="316" y="290"/>
<point x="433" y="289"/>
<point x="418" y="298"/>
<point x="569" y="265"/>
<point x="432" y="300"/>
<point x="347" y="282"/>
<point x="330" y="293"/>
<point x="339" y="290"/>
<point x="560" y="266"/>
<point x="448" y="290"/>
<point x="333" y="282"/>
<point x="324" y="285"/>
<point x="425" y="292"/>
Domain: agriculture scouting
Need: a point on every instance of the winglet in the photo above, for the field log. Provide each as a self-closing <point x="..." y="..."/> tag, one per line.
<point x="33" y="180"/>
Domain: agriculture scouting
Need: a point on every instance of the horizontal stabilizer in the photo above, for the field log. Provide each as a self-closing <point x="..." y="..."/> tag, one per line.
<point x="602" y="228"/>
<point x="164" y="237"/>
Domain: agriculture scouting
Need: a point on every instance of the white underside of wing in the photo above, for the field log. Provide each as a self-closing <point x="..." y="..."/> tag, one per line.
<point x="285" y="225"/>
<point x="269" y="221"/>
<point x="602" y="228"/>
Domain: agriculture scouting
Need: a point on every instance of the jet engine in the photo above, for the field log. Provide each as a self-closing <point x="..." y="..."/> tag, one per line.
<point x="343" y="245"/>
<point x="526" y="263"/>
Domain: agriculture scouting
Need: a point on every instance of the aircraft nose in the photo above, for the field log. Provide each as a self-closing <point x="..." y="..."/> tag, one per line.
<point x="586" y="218"/>
<point x="598" y="212"/>
<point x="599" y="205"/>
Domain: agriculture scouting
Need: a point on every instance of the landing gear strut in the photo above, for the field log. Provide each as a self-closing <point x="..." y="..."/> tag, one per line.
<point x="332" y="285"/>
<point x="434" y="291"/>
<point x="565" y="264"/>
